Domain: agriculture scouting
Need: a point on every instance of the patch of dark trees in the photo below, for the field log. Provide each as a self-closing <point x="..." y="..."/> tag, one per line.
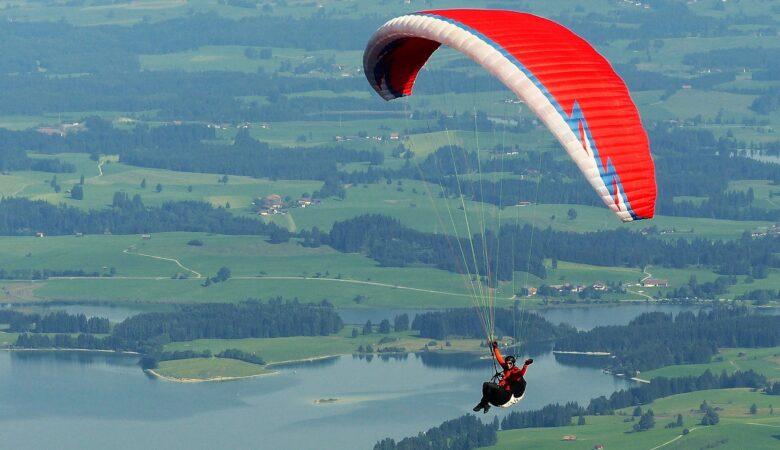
<point x="450" y="435"/>
<point x="146" y="333"/>
<point x="151" y="361"/>
<point x="654" y="340"/>
<point x="61" y="341"/>
<point x="464" y="433"/>
<point x="761" y="296"/>
<point x="234" y="353"/>
<point x="666" y="19"/>
<point x="735" y="58"/>
<point x="187" y="148"/>
<point x="557" y="415"/>
<point x="42" y="274"/>
<point x="56" y="322"/>
<point x="16" y="159"/>
<point x="689" y="162"/>
<point x="250" y="319"/>
<point x="388" y="242"/>
<point x="464" y="322"/>
<point x="24" y="217"/>
<point x="773" y="388"/>
<point x="766" y="103"/>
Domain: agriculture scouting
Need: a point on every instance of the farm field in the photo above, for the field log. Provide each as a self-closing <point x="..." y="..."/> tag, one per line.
<point x="736" y="426"/>
<point x="166" y="268"/>
<point x="209" y="368"/>
<point x="286" y="349"/>
<point x="765" y="361"/>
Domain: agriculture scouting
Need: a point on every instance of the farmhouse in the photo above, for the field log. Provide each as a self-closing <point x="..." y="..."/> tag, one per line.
<point x="655" y="282"/>
<point x="272" y="201"/>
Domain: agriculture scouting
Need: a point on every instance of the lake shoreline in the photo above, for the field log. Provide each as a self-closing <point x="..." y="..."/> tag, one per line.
<point x="85" y="350"/>
<point x="240" y="377"/>
<point x="205" y="380"/>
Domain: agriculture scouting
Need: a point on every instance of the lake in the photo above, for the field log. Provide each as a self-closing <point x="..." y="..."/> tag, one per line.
<point x="72" y="400"/>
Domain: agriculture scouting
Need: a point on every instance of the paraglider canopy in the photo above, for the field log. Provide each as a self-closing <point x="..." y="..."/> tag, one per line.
<point x="563" y="80"/>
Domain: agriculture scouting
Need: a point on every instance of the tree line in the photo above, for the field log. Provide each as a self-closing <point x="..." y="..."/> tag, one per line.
<point x="56" y="322"/>
<point x="464" y="433"/>
<point x="148" y="332"/>
<point x="653" y="340"/>
<point x="42" y="274"/>
<point x="390" y="243"/>
<point x="24" y="217"/>
<point x="463" y="322"/>
<point x="250" y="319"/>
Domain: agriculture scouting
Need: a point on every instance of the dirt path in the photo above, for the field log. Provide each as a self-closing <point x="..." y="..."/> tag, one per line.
<point x="100" y="167"/>
<point x="642" y="294"/>
<point x="762" y="424"/>
<point x="198" y="275"/>
<point x="368" y="283"/>
<point x="16" y="192"/>
<point x="672" y="440"/>
<point x="173" y="260"/>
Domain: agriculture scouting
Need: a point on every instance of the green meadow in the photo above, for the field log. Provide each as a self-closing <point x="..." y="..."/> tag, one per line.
<point x="736" y="426"/>
<point x="765" y="361"/>
<point x="209" y="368"/>
<point x="286" y="349"/>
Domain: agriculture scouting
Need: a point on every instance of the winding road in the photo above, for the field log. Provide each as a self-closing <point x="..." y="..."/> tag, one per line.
<point x="173" y="260"/>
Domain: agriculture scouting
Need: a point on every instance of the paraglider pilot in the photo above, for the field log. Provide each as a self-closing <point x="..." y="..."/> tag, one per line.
<point x="510" y="386"/>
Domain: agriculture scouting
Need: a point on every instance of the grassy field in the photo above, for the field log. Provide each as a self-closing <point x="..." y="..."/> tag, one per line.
<point x="209" y="368"/>
<point x="232" y="58"/>
<point x="7" y="339"/>
<point x="278" y="350"/>
<point x="100" y="184"/>
<point x="765" y="361"/>
<point x="166" y="269"/>
<point x="736" y="426"/>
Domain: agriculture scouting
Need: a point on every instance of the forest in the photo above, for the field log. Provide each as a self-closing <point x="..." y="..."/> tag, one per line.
<point x="147" y="332"/>
<point x="387" y="241"/>
<point x="463" y="322"/>
<point x="56" y="322"/>
<point x="23" y="217"/>
<point x="653" y="340"/>
<point x="464" y="433"/>
<point x="558" y="415"/>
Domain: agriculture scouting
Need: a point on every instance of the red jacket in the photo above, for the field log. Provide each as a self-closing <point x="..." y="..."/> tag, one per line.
<point x="510" y="376"/>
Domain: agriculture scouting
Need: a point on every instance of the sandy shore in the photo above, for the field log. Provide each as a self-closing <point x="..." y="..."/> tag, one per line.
<point x="90" y="350"/>
<point x="202" y="380"/>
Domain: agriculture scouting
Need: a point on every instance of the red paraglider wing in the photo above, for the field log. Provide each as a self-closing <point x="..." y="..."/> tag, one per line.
<point x="563" y="79"/>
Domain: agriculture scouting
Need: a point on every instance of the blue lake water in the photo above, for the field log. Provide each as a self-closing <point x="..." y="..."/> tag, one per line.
<point x="71" y="400"/>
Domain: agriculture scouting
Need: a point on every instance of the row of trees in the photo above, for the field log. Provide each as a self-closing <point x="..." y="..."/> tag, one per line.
<point x="250" y="319"/>
<point x="148" y="332"/>
<point x="464" y="322"/>
<point x="468" y="432"/>
<point x="20" y="217"/>
<point x="464" y="433"/>
<point x="557" y="415"/>
<point x="655" y="339"/>
<point x="56" y="322"/>
<point x="391" y="244"/>
<point x="42" y="274"/>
